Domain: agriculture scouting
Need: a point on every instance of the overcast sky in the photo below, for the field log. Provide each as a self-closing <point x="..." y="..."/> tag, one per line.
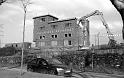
<point x="11" y="16"/>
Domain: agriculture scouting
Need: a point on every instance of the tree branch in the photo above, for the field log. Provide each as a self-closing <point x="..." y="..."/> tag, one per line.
<point x="118" y="5"/>
<point x="2" y="1"/>
<point x="121" y="1"/>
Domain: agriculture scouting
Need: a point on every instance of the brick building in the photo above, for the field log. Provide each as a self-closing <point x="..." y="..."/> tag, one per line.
<point x="51" y="33"/>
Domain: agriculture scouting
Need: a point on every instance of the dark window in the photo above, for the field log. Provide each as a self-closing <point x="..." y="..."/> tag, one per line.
<point x="43" y="19"/>
<point x="69" y="35"/>
<point x="53" y="19"/>
<point x="65" y="35"/>
<point x="43" y="37"/>
<point x="40" y="37"/>
<point x="69" y="43"/>
<point x="52" y="36"/>
<point x="12" y="45"/>
<point x="16" y="45"/>
<point x="55" y="36"/>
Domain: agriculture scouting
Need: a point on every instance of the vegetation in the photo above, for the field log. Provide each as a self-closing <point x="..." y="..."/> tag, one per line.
<point x="110" y="60"/>
<point x="113" y="60"/>
<point x="7" y="51"/>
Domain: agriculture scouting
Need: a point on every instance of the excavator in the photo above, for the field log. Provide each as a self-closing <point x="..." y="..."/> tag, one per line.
<point x="112" y="42"/>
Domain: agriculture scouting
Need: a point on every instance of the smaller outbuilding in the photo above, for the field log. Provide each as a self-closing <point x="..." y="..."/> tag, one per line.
<point x="27" y="45"/>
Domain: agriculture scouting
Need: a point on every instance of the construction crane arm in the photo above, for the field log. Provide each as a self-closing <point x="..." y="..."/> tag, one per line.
<point x="96" y="12"/>
<point x="110" y="35"/>
<point x="112" y="42"/>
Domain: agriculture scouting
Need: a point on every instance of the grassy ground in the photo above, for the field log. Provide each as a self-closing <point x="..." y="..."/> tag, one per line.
<point x="16" y="74"/>
<point x="106" y="70"/>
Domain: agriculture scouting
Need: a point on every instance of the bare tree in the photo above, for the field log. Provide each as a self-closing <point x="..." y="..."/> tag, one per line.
<point x="25" y="3"/>
<point x="119" y="5"/>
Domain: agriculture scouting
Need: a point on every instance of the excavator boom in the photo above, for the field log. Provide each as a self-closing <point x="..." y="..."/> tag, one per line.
<point x="111" y="42"/>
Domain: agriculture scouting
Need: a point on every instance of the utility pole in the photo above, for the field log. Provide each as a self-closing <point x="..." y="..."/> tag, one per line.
<point x="98" y="39"/>
<point x="63" y="45"/>
<point x="92" y="56"/>
<point x="78" y="37"/>
<point x="95" y="39"/>
<point x="1" y="27"/>
<point x="0" y="43"/>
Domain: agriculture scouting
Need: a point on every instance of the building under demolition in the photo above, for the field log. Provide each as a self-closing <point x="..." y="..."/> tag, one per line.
<point x="50" y="33"/>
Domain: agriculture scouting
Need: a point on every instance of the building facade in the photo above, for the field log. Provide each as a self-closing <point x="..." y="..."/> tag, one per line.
<point x="51" y="33"/>
<point x="27" y="45"/>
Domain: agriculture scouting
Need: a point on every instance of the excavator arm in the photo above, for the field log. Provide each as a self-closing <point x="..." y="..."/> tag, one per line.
<point x="96" y="12"/>
<point x="111" y="42"/>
